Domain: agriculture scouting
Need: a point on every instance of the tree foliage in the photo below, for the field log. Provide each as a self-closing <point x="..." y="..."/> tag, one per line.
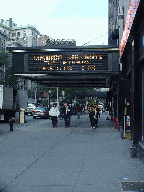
<point x="69" y="91"/>
<point x="31" y="94"/>
<point x="3" y="58"/>
<point x="8" y="78"/>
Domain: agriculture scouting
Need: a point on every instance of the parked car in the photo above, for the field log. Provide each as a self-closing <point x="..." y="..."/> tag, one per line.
<point x="29" y="109"/>
<point x="41" y="112"/>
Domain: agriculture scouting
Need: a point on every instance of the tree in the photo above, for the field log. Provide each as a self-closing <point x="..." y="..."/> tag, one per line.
<point x="8" y="77"/>
<point x="31" y="94"/>
<point x="3" y="59"/>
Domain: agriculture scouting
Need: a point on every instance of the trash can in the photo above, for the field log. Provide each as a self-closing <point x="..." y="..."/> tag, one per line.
<point x="11" y="124"/>
<point x="22" y="115"/>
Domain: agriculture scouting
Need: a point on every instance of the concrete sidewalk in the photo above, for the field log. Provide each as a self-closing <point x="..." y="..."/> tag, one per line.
<point x="36" y="158"/>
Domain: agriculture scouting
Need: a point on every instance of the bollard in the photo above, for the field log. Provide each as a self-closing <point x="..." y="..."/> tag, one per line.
<point x="11" y="124"/>
<point x="115" y="120"/>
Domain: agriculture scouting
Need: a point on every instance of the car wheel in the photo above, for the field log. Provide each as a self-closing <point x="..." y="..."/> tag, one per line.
<point x="34" y="117"/>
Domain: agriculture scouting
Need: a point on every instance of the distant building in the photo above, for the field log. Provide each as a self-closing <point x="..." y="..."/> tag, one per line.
<point x="3" y="40"/>
<point x="113" y="25"/>
<point x="42" y="40"/>
<point x="26" y="35"/>
<point x="13" y="36"/>
<point x="58" y="42"/>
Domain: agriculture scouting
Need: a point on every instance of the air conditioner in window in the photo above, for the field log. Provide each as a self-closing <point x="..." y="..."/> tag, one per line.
<point x="120" y="12"/>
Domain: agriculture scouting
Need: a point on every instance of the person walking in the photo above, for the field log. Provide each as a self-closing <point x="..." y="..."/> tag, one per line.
<point x="96" y="117"/>
<point x="54" y="113"/>
<point x="98" y="109"/>
<point x="78" y="111"/>
<point x="17" y="114"/>
<point x="66" y="114"/>
<point x="91" y="110"/>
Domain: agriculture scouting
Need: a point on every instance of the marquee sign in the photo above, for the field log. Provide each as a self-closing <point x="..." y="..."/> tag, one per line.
<point x="129" y="21"/>
<point x="64" y="62"/>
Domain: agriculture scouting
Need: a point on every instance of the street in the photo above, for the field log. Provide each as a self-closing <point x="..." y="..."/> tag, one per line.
<point x="36" y="157"/>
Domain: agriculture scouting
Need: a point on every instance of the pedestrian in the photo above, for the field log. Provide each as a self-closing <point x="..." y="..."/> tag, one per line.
<point x="78" y="111"/>
<point x="98" y="109"/>
<point x="17" y="114"/>
<point x="54" y="113"/>
<point x="67" y="114"/>
<point x="96" y="117"/>
<point x="91" y="111"/>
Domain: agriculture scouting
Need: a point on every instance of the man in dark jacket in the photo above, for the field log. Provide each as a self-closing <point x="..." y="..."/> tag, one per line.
<point x="66" y="114"/>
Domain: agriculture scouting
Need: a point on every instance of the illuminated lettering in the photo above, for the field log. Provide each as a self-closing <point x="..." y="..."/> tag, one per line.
<point x="83" y="67"/>
<point x="93" y="56"/>
<point x="64" y="62"/>
<point x="51" y="68"/>
<point x="100" y="57"/>
<point x="69" y="67"/>
<point x="41" y="68"/>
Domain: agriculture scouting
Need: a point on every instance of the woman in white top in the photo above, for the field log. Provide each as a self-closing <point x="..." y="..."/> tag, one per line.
<point x="54" y="113"/>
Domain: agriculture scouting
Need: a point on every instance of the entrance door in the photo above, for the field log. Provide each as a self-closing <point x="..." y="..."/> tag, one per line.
<point x="143" y="104"/>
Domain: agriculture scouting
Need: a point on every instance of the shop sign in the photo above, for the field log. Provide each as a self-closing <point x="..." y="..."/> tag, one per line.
<point x="128" y="121"/>
<point x="133" y="6"/>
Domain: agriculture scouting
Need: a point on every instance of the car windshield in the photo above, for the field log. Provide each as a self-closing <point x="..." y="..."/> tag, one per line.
<point x="30" y="105"/>
<point x="39" y="108"/>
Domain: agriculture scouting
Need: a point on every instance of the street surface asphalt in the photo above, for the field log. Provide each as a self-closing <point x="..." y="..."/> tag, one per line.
<point x="36" y="157"/>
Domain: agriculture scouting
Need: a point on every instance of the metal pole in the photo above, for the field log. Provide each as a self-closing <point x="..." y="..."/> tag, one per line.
<point x="31" y="89"/>
<point x="57" y="98"/>
<point x="35" y="96"/>
<point x="124" y="126"/>
<point x="49" y="101"/>
<point x="117" y="107"/>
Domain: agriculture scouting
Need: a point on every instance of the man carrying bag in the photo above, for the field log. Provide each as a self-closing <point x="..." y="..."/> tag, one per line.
<point x="66" y="114"/>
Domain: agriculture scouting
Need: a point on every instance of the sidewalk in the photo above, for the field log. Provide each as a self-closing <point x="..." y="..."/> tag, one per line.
<point x="36" y="158"/>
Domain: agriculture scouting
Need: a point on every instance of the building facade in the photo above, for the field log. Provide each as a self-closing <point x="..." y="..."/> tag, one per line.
<point x="128" y="86"/>
<point x="113" y="25"/>
<point x="26" y="35"/>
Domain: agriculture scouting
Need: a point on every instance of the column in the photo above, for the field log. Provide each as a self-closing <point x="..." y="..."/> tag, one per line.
<point x="137" y="99"/>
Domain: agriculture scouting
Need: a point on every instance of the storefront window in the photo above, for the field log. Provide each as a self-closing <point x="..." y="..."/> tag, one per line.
<point x="143" y="105"/>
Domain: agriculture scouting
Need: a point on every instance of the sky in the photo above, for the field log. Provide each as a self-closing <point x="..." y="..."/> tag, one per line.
<point x="82" y="20"/>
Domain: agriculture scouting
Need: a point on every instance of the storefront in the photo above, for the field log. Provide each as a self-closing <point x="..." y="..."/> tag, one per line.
<point x="142" y="64"/>
<point x="132" y="59"/>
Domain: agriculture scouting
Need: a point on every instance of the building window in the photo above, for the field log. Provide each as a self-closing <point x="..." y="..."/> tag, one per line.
<point x="24" y="33"/>
<point x="18" y="34"/>
<point x="13" y="34"/>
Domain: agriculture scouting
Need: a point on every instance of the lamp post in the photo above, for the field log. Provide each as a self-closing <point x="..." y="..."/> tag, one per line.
<point x="63" y="94"/>
<point x="57" y="98"/>
<point x="49" y="92"/>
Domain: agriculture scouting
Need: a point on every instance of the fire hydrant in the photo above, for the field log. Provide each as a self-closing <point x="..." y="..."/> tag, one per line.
<point x="115" y="119"/>
<point x="11" y="124"/>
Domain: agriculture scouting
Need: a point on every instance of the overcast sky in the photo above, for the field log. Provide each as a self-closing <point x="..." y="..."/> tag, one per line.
<point x="82" y="20"/>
